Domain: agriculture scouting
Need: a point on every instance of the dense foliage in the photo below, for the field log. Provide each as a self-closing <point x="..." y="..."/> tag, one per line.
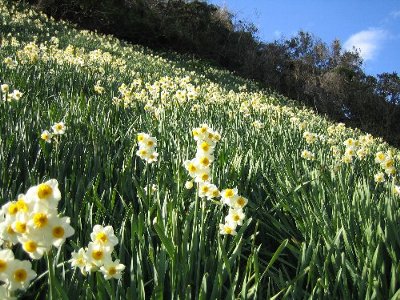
<point x="324" y="77"/>
<point x="76" y="108"/>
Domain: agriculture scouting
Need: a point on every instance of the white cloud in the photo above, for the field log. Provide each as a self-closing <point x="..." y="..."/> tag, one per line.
<point x="395" y="14"/>
<point x="368" y="42"/>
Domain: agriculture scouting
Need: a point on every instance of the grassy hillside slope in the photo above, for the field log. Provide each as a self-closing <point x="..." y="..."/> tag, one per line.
<point x="322" y="223"/>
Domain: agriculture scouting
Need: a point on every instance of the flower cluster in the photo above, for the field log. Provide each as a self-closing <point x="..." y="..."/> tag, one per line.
<point x="147" y="147"/>
<point x="396" y="190"/>
<point x="258" y="124"/>
<point x="310" y="137"/>
<point x="8" y="96"/>
<point x="33" y="221"/>
<point x="98" y="88"/>
<point x="235" y="216"/>
<point x="307" y="155"/>
<point x="336" y="129"/>
<point x="98" y="255"/>
<point x="57" y="129"/>
<point x="29" y="54"/>
<point x="386" y="162"/>
<point x="129" y="93"/>
<point x="10" y="63"/>
<point x="355" y="148"/>
<point x="199" y="168"/>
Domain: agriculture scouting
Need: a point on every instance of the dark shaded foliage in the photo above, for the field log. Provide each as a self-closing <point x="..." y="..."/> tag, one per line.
<point x="304" y="68"/>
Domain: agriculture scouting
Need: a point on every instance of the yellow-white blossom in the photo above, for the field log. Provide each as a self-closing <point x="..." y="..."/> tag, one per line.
<point x="189" y="184"/>
<point x="34" y="244"/>
<point x="227" y="229"/>
<point x="239" y="202"/>
<point x="147" y="146"/>
<point x="79" y="259"/>
<point x="396" y="190"/>
<point x="112" y="269"/>
<point x="5" y="88"/>
<point x="104" y="236"/>
<point x="98" y="88"/>
<point x="307" y="155"/>
<point x="379" y="177"/>
<point x="16" y="95"/>
<point x="228" y="195"/>
<point x="59" y="128"/>
<point x="380" y="157"/>
<point x="6" y="256"/>
<point x="46" y="136"/>
<point x="97" y="254"/>
<point x="59" y="230"/>
<point x="44" y="196"/>
<point x="235" y="216"/>
<point x="20" y="274"/>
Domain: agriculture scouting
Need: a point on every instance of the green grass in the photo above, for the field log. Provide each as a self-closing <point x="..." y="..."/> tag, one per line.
<point x="313" y="229"/>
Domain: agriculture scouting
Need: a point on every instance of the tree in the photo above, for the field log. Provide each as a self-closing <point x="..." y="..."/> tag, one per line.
<point x="388" y="86"/>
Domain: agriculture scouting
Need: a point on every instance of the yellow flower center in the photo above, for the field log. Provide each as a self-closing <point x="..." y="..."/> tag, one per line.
<point x="205" y="146"/>
<point x="44" y="191"/>
<point x="150" y="143"/>
<point x="112" y="271"/>
<point x="10" y="230"/>
<point x="229" y="193"/>
<point x="236" y="218"/>
<point x="215" y="193"/>
<point x="101" y="237"/>
<point x="380" y="156"/>
<point x="192" y="168"/>
<point x="20" y="227"/>
<point x="59" y="127"/>
<point x="195" y="132"/>
<point x="205" y="189"/>
<point x="203" y="129"/>
<point x="205" y="161"/>
<point x="241" y="201"/>
<point x="143" y="152"/>
<point x="58" y="232"/>
<point x="22" y="206"/>
<point x="205" y="177"/>
<point x="140" y="137"/>
<point x="30" y="246"/>
<point x="40" y="220"/>
<point x="13" y="209"/>
<point x="20" y="275"/>
<point x="228" y="230"/>
<point x="97" y="254"/>
<point x="3" y="265"/>
<point x="389" y="163"/>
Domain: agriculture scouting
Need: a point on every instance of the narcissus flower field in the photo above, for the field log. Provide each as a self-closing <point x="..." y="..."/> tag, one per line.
<point x="130" y="174"/>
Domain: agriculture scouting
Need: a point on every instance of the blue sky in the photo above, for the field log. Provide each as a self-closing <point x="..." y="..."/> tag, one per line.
<point x="370" y="25"/>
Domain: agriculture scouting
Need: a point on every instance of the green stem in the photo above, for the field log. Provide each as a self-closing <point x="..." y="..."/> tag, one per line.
<point x="195" y="236"/>
<point x="201" y="244"/>
<point x="148" y="186"/>
<point x="50" y="266"/>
